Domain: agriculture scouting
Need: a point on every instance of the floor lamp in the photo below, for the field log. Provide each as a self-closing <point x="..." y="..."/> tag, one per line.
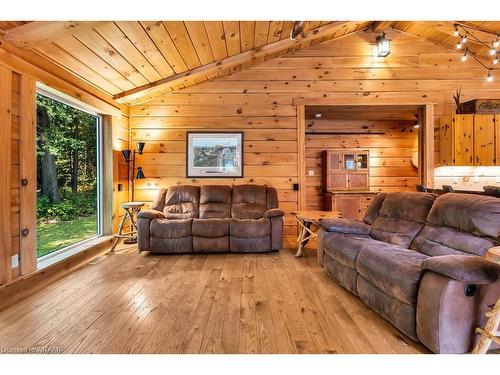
<point x="135" y="176"/>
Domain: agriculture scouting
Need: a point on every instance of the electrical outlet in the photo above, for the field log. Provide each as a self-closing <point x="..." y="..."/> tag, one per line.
<point x="497" y="179"/>
<point x="455" y="180"/>
<point x="310" y="172"/>
<point x="476" y="179"/>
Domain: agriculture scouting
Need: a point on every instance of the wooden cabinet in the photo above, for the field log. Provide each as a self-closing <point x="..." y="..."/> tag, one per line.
<point x="346" y="170"/>
<point x="351" y="205"/>
<point x="468" y="140"/>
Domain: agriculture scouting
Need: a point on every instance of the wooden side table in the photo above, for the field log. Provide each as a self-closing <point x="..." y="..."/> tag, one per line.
<point x="489" y="333"/>
<point x="307" y="220"/>
<point x="131" y="209"/>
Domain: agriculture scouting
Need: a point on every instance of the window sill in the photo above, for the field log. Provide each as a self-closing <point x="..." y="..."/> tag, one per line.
<point x="63" y="254"/>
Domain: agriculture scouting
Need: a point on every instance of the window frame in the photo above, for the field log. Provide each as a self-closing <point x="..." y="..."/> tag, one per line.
<point x="65" y="252"/>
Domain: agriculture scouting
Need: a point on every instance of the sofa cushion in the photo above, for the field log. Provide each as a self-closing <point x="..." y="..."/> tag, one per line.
<point x="248" y="228"/>
<point x="167" y="228"/>
<point x="272" y="198"/>
<point x="436" y="240"/>
<point x="401" y="217"/>
<point x="344" y="248"/>
<point x="182" y="202"/>
<point x="374" y="208"/>
<point x="393" y="269"/>
<point x="254" y="244"/>
<point x="159" y="200"/>
<point x="473" y="213"/>
<point x="210" y="227"/>
<point x="247" y="210"/>
<point x="211" y="245"/>
<point x="215" y="210"/>
<point x="215" y="194"/>
<point x="253" y="194"/>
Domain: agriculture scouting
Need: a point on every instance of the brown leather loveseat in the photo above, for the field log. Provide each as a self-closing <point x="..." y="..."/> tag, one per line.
<point x="417" y="260"/>
<point x="212" y="218"/>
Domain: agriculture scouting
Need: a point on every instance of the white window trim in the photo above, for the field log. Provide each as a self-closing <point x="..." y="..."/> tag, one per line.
<point x="68" y="251"/>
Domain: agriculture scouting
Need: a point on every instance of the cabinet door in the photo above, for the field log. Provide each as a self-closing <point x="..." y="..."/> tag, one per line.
<point x="337" y="181"/>
<point x="484" y="139"/>
<point x="463" y="141"/>
<point x="359" y="180"/>
<point x="348" y="205"/>
<point x="446" y="141"/>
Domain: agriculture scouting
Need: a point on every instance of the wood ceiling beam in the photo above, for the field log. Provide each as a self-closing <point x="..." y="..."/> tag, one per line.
<point x="33" y="34"/>
<point x="381" y="26"/>
<point x="249" y="56"/>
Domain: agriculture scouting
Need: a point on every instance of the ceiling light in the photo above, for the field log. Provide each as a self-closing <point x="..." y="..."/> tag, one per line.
<point x="464" y="39"/>
<point x="383" y="46"/>
<point x="493" y="51"/>
<point x="495" y="60"/>
<point x="464" y="56"/>
<point x="456" y="33"/>
<point x="490" y="76"/>
<point x="317" y="115"/>
<point x="496" y="43"/>
<point x="458" y="46"/>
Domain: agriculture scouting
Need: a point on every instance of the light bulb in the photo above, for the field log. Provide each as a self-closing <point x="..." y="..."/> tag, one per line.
<point x="490" y="76"/>
<point x="464" y="39"/>
<point x="496" y="43"/>
<point x="464" y="57"/>
<point x="458" y="46"/>
<point x="493" y="51"/>
<point x="495" y="60"/>
<point x="456" y="33"/>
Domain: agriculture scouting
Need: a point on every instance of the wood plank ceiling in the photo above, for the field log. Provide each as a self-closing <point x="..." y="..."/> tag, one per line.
<point x="136" y="60"/>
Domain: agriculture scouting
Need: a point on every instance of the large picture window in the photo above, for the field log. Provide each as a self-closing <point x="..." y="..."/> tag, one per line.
<point x="68" y="175"/>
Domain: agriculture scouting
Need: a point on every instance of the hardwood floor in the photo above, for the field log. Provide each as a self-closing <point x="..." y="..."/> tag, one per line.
<point x="215" y="303"/>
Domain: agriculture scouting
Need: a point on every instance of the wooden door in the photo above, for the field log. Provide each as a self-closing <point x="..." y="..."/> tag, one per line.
<point x="359" y="180"/>
<point x="484" y="140"/>
<point x="348" y="205"/>
<point x="446" y="140"/>
<point x="335" y="176"/>
<point x="463" y="139"/>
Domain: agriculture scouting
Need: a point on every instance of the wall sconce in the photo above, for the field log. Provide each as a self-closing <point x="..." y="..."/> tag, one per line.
<point x="383" y="46"/>
<point x="140" y="174"/>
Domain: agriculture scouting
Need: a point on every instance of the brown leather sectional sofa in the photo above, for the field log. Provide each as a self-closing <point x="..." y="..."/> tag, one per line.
<point x="416" y="259"/>
<point x="212" y="218"/>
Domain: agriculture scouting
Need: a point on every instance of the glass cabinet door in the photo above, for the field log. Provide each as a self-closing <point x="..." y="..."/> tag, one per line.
<point x="362" y="161"/>
<point x="349" y="162"/>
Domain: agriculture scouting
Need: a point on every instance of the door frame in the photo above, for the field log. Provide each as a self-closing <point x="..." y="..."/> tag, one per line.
<point x="425" y="140"/>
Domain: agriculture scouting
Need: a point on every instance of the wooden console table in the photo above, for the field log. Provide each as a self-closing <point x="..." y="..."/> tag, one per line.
<point x="308" y="219"/>
<point x="489" y="333"/>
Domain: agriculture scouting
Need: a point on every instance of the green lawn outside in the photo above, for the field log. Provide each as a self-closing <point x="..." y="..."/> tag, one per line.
<point x="55" y="236"/>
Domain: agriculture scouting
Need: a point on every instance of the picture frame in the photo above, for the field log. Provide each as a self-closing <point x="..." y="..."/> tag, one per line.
<point x="214" y="154"/>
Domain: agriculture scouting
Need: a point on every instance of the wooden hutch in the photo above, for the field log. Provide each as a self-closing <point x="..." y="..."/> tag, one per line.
<point x="346" y="181"/>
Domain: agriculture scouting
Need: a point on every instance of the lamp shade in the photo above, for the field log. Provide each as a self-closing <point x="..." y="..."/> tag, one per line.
<point x="140" y="147"/>
<point x="140" y="174"/>
<point x="383" y="46"/>
<point x="126" y="154"/>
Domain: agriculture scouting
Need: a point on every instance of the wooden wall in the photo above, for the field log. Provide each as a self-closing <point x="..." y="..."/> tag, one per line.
<point x="390" y="153"/>
<point x="18" y="159"/>
<point x="261" y="102"/>
<point x="121" y="141"/>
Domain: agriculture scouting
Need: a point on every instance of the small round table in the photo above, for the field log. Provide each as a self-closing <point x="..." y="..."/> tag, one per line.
<point x="489" y="333"/>
<point x="306" y="220"/>
<point x="131" y="209"/>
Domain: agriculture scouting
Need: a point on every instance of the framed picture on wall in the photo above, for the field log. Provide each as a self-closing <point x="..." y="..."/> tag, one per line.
<point x="214" y="154"/>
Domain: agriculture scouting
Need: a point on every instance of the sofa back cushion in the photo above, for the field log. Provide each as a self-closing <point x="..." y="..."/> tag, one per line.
<point x="182" y="202"/>
<point x="401" y="217"/>
<point x="374" y="208"/>
<point x="159" y="200"/>
<point x="215" y="201"/>
<point x="460" y="224"/>
<point x="249" y="201"/>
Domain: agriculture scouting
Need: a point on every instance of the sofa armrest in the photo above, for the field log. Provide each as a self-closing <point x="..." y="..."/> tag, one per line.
<point x="470" y="269"/>
<point x="150" y="214"/>
<point x="346" y="226"/>
<point x="273" y="212"/>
